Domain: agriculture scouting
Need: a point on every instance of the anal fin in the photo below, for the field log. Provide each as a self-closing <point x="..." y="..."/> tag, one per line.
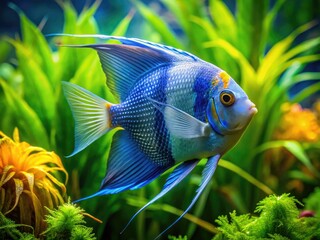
<point x="128" y="167"/>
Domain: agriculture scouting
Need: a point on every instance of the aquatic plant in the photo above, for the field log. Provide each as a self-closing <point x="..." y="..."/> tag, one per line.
<point x="9" y="230"/>
<point x="282" y="167"/>
<point x="28" y="182"/>
<point x="30" y="91"/>
<point x="67" y="222"/>
<point x="278" y="219"/>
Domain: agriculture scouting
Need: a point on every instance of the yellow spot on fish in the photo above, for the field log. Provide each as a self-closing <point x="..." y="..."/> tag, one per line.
<point x="109" y="121"/>
<point x="225" y="78"/>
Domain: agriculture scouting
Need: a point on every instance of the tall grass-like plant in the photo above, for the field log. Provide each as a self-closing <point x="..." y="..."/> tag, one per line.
<point x="31" y="99"/>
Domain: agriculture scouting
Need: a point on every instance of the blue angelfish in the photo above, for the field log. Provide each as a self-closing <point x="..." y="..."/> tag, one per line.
<point x="174" y="109"/>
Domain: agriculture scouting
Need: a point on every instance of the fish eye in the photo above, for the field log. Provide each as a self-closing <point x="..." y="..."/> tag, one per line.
<point x="227" y="98"/>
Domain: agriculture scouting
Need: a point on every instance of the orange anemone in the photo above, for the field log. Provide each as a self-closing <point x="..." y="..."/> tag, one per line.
<point x="29" y="182"/>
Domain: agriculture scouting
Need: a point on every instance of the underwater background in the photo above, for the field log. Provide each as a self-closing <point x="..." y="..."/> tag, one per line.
<point x="271" y="48"/>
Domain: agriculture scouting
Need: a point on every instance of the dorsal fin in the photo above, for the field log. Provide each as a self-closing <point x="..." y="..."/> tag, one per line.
<point x="125" y="63"/>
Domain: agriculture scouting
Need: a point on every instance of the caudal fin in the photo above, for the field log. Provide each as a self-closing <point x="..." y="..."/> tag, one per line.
<point x="90" y="113"/>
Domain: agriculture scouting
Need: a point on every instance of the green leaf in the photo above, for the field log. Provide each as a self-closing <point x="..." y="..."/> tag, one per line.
<point x="70" y="16"/>
<point x="87" y="14"/>
<point x="223" y="20"/>
<point x="250" y="27"/>
<point x="234" y="168"/>
<point x="292" y="146"/>
<point x="303" y="47"/>
<point x="122" y="27"/>
<point x="268" y="22"/>
<point x="37" y="88"/>
<point x="86" y="22"/>
<point x="33" y="39"/>
<point x="177" y="8"/>
<point x="138" y="202"/>
<point x="26" y="118"/>
<point x="158" y="24"/>
<point x="90" y="69"/>
<point x="269" y="68"/>
<point x="307" y="92"/>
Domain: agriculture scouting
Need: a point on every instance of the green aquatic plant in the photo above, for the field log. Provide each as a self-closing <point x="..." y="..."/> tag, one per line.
<point x="10" y="230"/>
<point x="30" y="91"/>
<point x="278" y="219"/>
<point x="67" y="222"/>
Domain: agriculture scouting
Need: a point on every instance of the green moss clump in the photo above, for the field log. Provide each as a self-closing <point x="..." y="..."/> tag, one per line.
<point x="279" y="219"/>
<point x="9" y="230"/>
<point x="67" y="222"/>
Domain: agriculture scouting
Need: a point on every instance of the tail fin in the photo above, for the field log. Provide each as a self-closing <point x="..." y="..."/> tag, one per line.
<point x="91" y="115"/>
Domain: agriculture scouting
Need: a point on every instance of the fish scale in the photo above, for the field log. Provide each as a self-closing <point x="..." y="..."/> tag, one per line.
<point x="143" y="121"/>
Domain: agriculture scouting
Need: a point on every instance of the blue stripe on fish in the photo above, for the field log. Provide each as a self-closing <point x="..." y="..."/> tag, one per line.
<point x="161" y="132"/>
<point x="201" y="88"/>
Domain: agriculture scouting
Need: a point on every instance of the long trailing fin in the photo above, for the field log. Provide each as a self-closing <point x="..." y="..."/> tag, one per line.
<point x="124" y="64"/>
<point x="207" y="174"/>
<point x="90" y="113"/>
<point x="179" y="173"/>
<point x="181" y="124"/>
<point x="178" y="54"/>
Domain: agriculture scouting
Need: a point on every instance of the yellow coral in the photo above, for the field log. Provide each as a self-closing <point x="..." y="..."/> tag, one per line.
<point x="27" y="181"/>
<point x="299" y="124"/>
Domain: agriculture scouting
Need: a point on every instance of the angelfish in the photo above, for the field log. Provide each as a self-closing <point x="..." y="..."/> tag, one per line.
<point x="174" y="109"/>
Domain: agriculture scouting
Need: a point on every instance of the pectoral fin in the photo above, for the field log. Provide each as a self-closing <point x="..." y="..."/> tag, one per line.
<point x="181" y="124"/>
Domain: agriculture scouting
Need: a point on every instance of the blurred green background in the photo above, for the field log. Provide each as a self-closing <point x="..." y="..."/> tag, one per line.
<point x="271" y="48"/>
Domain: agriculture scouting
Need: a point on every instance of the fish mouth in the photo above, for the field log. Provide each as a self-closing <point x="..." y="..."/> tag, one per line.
<point x="253" y="109"/>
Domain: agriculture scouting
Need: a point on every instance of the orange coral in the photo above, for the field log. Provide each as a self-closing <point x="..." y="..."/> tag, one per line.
<point x="27" y="181"/>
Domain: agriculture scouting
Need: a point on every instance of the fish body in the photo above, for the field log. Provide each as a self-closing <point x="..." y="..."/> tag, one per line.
<point x="185" y="86"/>
<point x="174" y="109"/>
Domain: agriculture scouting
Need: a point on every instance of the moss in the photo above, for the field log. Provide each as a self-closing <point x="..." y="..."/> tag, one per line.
<point x="9" y="230"/>
<point x="67" y="222"/>
<point x="278" y="219"/>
